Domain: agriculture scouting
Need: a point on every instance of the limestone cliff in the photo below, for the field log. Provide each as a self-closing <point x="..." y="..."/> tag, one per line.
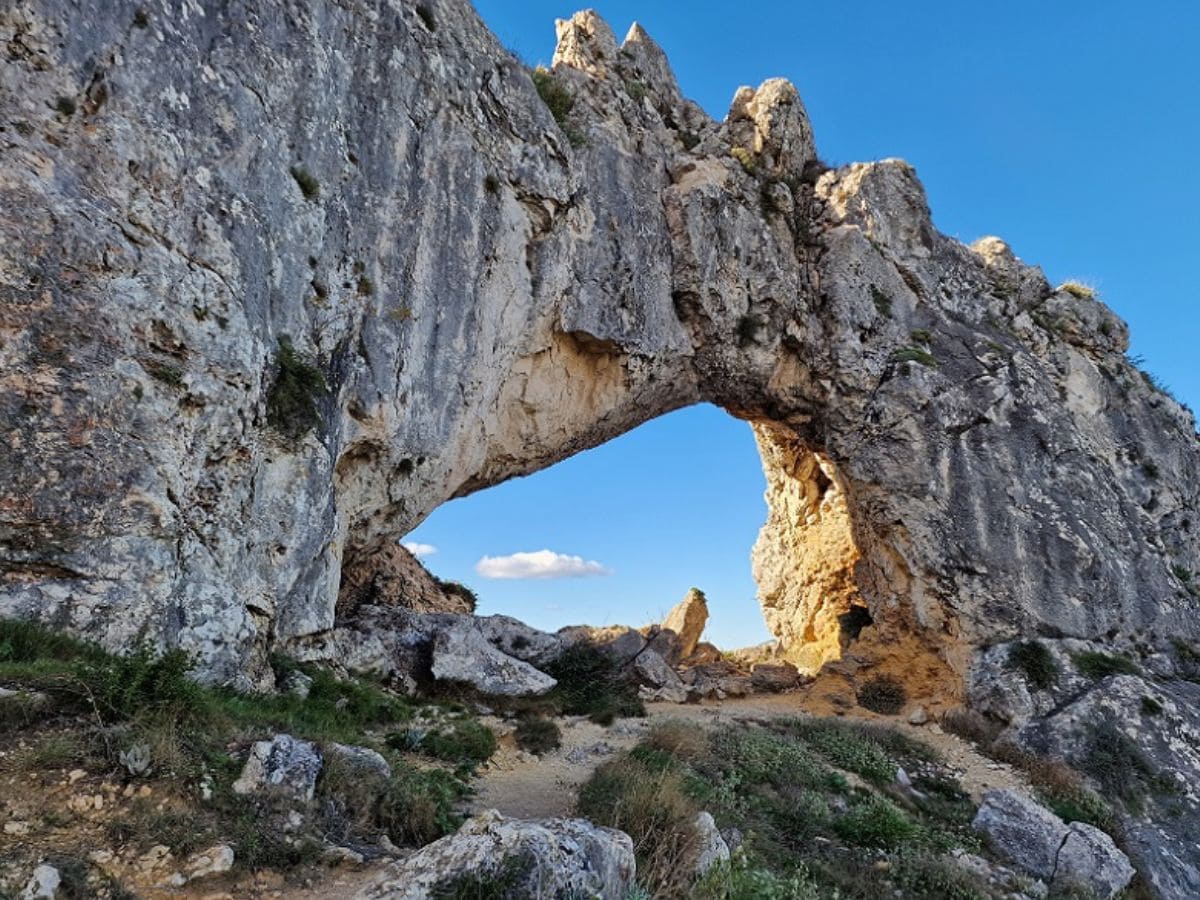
<point x="951" y="444"/>
<point x="276" y="280"/>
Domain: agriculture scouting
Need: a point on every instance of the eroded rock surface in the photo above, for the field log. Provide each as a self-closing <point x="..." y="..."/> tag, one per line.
<point x="547" y="858"/>
<point x="278" y="280"/>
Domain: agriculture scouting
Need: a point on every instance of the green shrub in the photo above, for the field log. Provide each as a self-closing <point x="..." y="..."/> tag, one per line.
<point x="883" y="694"/>
<point x="65" y="105"/>
<point x="292" y="400"/>
<point x="920" y="336"/>
<point x="883" y="303"/>
<point x="1151" y="706"/>
<point x="537" y="734"/>
<point x="1037" y="662"/>
<point x="876" y="822"/>
<point x="591" y="684"/>
<point x="653" y="806"/>
<point x="1097" y="665"/>
<point x="760" y="757"/>
<point x="846" y="747"/>
<point x="917" y="355"/>
<point x="172" y="376"/>
<point x="636" y="90"/>
<point x="559" y="100"/>
<point x="738" y="880"/>
<point x="464" y="741"/>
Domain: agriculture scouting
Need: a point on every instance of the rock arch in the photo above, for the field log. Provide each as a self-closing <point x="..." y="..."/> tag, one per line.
<point x="488" y="290"/>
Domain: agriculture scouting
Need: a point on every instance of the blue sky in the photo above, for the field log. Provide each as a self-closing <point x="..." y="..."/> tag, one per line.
<point x="1069" y="129"/>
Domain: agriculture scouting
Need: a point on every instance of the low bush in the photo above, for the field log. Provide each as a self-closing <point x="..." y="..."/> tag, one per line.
<point x="883" y="694"/>
<point x="537" y="734"/>
<point x="876" y="822"/>
<point x="1097" y="665"/>
<point x="651" y="805"/>
<point x="298" y="387"/>
<point x="1035" y="661"/>
<point x="463" y="741"/>
<point x="591" y="684"/>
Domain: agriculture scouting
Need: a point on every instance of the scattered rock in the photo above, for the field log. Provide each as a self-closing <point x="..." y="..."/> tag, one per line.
<point x="713" y="848"/>
<point x="704" y="653"/>
<point x="1089" y="857"/>
<point x="282" y="764"/>
<point x="918" y="716"/>
<point x="296" y="683"/>
<point x="567" y="857"/>
<point x="43" y="884"/>
<point x="216" y="860"/>
<point x="652" y="670"/>
<point x="687" y="619"/>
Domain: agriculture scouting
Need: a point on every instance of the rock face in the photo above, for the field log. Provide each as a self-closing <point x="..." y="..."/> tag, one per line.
<point x="278" y="280"/>
<point x="388" y="575"/>
<point x="687" y="619"/>
<point x="550" y="858"/>
<point x="1039" y="842"/>
<point x="463" y="653"/>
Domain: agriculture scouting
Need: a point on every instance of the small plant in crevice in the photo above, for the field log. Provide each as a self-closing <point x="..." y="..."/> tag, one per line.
<point x="170" y="375"/>
<point x="745" y="158"/>
<point x="689" y="139"/>
<point x="1150" y="469"/>
<point x="460" y="590"/>
<point x="636" y="90"/>
<point x="1151" y="706"/>
<point x="883" y="694"/>
<point x="1095" y="664"/>
<point x="883" y="303"/>
<point x="748" y="327"/>
<point x="65" y="105"/>
<point x="491" y="184"/>
<point x="307" y="182"/>
<point x="920" y="336"/>
<point x="1078" y="289"/>
<point x="915" y="355"/>
<point x="559" y="100"/>
<point x="365" y="286"/>
<point x="1035" y="661"/>
<point x="292" y="402"/>
<point x="425" y="14"/>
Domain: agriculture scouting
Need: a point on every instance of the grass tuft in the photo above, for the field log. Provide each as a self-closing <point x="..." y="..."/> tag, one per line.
<point x="1096" y="665"/>
<point x="1036" y="662"/>
<point x="883" y="694"/>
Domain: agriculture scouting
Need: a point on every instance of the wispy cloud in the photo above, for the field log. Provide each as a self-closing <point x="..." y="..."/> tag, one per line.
<point x="539" y="564"/>
<point x="418" y="549"/>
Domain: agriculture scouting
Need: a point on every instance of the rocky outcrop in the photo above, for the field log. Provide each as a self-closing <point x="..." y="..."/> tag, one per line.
<point x="687" y="619"/>
<point x="540" y="859"/>
<point x="389" y="575"/>
<point x="273" y="382"/>
<point x="1075" y="856"/>
<point x="463" y="654"/>
<point x="279" y="280"/>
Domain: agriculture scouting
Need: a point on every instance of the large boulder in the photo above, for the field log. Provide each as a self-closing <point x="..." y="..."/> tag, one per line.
<point x="463" y="654"/>
<point x="774" y="677"/>
<point x="1037" y="841"/>
<point x="687" y="619"/>
<point x="548" y="857"/>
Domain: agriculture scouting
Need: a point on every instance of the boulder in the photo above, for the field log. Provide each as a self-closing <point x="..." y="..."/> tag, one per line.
<point x="652" y="670"/>
<point x="704" y="653"/>
<point x="364" y="759"/>
<point x="43" y="884"/>
<point x="1041" y="844"/>
<point x="774" y="677"/>
<point x="1088" y="857"/>
<point x="687" y="619"/>
<point x="283" y="764"/>
<point x="462" y="653"/>
<point x="664" y="642"/>
<point x="712" y="846"/>
<point x="216" y="860"/>
<point x="620" y="642"/>
<point x="552" y="858"/>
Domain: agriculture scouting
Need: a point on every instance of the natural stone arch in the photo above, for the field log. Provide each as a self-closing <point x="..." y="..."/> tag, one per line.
<point x="486" y="297"/>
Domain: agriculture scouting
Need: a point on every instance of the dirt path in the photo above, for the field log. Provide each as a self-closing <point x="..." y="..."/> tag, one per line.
<point x="523" y="785"/>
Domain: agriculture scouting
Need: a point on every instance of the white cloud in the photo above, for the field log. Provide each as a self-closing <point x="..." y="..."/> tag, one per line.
<point x="418" y="549"/>
<point x="539" y="564"/>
